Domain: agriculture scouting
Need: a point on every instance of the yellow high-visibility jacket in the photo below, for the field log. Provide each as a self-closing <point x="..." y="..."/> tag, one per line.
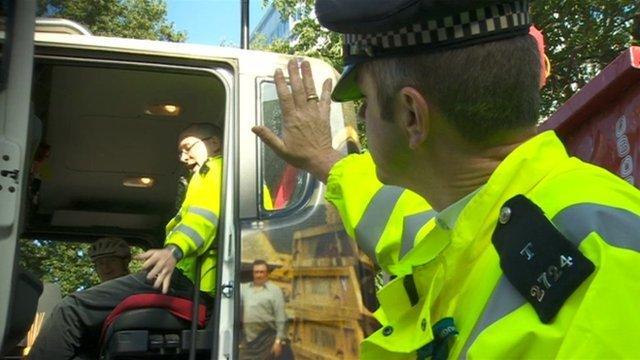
<point x="384" y="220"/>
<point x="194" y="228"/>
<point x="458" y="303"/>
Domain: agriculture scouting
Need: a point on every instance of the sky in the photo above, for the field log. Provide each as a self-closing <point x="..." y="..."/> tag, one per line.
<point x="212" y="22"/>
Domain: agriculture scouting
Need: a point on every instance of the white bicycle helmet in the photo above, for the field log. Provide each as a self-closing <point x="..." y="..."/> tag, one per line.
<point x="110" y="246"/>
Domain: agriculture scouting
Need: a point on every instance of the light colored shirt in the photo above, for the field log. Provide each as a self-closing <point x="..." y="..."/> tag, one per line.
<point x="447" y="218"/>
<point x="263" y="308"/>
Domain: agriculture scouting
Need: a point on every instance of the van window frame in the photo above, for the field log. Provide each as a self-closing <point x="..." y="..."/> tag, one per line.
<point x="308" y="183"/>
<point x="9" y="15"/>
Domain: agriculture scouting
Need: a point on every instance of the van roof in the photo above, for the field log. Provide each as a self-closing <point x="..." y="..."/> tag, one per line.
<point x="165" y="48"/>
<point x="60" y="26"/>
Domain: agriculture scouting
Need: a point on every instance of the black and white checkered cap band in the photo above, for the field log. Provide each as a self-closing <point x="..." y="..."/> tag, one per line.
<point x="439" y="33"/>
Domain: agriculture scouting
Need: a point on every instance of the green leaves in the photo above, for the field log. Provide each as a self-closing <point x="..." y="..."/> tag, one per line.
<point x="582" y="37"/>
<point x="307" y="38"/>
<point x="138" y="19"/>
<point x="64" y="263"/>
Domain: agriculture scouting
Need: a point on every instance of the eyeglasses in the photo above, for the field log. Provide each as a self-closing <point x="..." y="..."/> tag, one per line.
<point x="187" y="149"/>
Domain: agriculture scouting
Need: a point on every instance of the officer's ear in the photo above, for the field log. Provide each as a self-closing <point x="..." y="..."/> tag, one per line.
<point x="414" y="116"/>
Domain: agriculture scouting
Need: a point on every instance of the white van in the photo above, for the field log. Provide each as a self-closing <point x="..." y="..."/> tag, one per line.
<point x="105" y="114"/>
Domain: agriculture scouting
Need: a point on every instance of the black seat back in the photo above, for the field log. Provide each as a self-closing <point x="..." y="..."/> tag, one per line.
<point x="24" y="303"/>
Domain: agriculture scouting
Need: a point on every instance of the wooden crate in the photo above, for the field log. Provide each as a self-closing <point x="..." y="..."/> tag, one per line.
<point x="326" y="293"/>
<point x="326" y="340"/>
<point x="330" y="318"/>
<point x="325" y="245"/>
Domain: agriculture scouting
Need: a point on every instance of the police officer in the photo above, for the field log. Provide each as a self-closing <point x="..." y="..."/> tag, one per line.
<point x="387" y="220"/>
<point x="77" y="320"/>
<point x="532" y="254"/>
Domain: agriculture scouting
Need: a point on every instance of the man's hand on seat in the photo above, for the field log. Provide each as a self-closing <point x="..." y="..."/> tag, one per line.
<point x="160" y="264"/>
<point x="306" y="130"/>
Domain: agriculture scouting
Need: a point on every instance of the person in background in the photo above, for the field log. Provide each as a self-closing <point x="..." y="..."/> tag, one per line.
<point x="111" y="257"/>
<point x="263" y="316"/>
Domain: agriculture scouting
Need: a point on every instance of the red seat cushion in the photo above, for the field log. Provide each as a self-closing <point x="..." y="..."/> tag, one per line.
<point x="179" y="307"/>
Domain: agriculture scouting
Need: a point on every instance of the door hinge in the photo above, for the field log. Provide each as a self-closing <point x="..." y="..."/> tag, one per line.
<point x="9" y="178"/>
<point x="10" y="173"/>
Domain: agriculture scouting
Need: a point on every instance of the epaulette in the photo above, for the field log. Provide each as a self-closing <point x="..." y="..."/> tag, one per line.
<point x="538" y="260"/>
<point x="204" y="169"/>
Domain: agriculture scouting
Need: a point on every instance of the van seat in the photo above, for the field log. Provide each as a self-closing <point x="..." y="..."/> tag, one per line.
<point x="152" y="326"/>
<point x="27" y="290"/>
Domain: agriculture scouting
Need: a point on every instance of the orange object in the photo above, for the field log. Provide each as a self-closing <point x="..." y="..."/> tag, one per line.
<point x="545" y="64"/>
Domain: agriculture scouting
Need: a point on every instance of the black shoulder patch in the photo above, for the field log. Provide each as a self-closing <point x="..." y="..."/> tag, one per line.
<point x="543" y="265"/>
<point x="204" y="169"/>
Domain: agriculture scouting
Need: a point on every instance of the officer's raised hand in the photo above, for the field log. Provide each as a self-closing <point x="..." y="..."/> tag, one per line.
<point x="306" y="131"/>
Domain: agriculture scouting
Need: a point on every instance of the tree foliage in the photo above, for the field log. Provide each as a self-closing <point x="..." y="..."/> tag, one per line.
<point x="308" y="38"/>
<point x="64" y="263"/>
<point x="582" y="37"/>
<point x="137" y="19"/>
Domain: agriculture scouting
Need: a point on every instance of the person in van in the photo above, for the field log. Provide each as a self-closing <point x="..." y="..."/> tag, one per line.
<point x="111" y="257"/>
<point x="78" y="319"/>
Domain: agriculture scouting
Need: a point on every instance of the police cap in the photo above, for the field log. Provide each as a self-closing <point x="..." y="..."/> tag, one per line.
<point x="382" y="28"/>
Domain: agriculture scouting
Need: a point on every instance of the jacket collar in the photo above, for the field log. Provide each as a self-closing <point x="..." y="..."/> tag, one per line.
<point x="518" y="173"/>
<point x="448" y="217"/>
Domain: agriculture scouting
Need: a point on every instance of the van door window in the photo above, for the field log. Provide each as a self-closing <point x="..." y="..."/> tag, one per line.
<point x="282" y="184"/>
<point x="306" y="290"/>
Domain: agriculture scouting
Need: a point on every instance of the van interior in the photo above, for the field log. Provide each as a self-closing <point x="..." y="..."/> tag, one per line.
<point x="103" y="145"/>
<point x="104" y="142"/>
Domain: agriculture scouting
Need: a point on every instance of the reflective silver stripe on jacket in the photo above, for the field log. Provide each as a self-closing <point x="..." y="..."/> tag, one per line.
<point x="618" y="227"/>
<point x="191" y="234"/>
<point x="205" y="213"/>
<point x="411" y="225"/>
<point x="374" y="220"/>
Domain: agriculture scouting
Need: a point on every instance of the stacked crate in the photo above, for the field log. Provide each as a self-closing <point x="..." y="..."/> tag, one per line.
<point x="327" y="302"/>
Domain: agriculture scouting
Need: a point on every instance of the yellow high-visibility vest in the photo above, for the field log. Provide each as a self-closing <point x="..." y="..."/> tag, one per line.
<point x="194" y="228"/>
<point x="384" y="220"/>
<point x="456" y="301"/>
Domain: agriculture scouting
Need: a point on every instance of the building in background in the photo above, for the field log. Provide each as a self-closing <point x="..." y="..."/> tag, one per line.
<point x="273" y="27"/>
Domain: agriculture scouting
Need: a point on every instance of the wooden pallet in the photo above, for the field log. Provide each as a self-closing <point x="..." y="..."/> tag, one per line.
<point x="322" y="340"/>
<point x="329" y="316"/>
<point x="331" y="293"/>
<point x="326" y="245"/>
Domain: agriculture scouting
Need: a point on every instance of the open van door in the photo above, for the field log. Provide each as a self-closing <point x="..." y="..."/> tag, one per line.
<point x="15" y="93"/>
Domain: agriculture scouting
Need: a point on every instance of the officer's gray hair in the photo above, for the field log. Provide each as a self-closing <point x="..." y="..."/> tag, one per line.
<point x="486" y="91"/>
<point x="205" y="132"/>
<point x="201" y="131"/>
